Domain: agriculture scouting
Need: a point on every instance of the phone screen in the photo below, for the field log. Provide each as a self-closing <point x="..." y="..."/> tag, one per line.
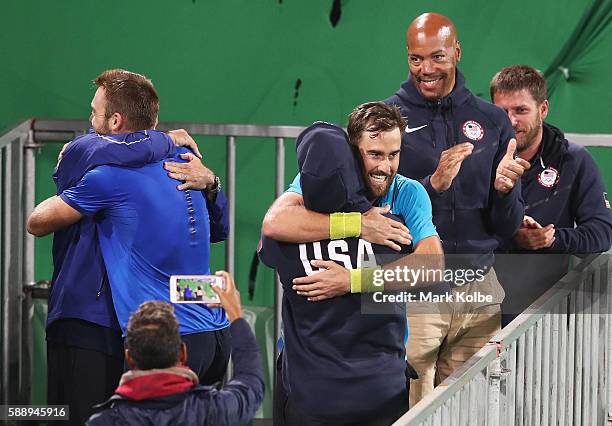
<point x="194" y="288"/>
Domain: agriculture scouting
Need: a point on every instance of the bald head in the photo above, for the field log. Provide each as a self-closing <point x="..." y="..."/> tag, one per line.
<point x="431" y="25"/>
<point x="433" y="53"/>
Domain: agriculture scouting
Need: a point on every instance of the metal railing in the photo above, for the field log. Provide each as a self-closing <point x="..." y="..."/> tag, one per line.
<point x="14" y="270"/>
<point x="18" y="176"/>
<point x="552" y="365"/>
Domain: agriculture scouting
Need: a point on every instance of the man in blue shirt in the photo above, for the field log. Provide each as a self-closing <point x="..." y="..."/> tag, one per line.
<point x="84" y="338"/>
<point x="340" y="364"/>
<point x="148" y="232"/>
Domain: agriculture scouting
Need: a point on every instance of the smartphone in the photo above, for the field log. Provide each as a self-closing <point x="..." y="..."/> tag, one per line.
<point x="195" y="288"/>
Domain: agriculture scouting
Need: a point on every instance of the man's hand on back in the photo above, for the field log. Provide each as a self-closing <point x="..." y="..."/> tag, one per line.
<point x="180" y="137"/>
<point x="334" y="281"/>
<point x="61" y="153"/>
<point x="194" y="173"/>
<point x="379" y="229"/>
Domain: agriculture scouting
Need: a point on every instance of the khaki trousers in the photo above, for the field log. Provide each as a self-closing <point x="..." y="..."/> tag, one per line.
<point x="442" y="336"/>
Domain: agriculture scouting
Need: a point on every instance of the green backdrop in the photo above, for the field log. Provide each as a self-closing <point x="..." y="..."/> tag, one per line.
<point x="239" y="61"/>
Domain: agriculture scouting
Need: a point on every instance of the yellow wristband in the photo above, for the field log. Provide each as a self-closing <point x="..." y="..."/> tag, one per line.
<point x="344" y="225"/>
<point x="363" y="280"/>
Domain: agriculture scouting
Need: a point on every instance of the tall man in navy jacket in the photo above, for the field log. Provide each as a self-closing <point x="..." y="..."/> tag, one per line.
<point x="461" y="149"/>
<point x="566" y="206"/>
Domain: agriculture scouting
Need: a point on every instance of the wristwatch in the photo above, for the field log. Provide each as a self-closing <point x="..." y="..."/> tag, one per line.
<point x="215" y="187"/>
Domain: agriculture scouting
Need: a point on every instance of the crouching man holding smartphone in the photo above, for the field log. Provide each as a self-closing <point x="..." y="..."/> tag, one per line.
<point x="159" y="387"/>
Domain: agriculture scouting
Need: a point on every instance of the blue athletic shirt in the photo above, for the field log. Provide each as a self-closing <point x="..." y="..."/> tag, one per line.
<point x="408" y="199"/>
<point x="148" y="231"/>
<point x="80" y="287"/>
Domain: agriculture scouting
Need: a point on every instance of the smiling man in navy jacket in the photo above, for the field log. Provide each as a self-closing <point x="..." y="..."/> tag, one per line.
<point x="461" y="148"/>
<point x="567" y="209"/>
<point x="342" y="364"/>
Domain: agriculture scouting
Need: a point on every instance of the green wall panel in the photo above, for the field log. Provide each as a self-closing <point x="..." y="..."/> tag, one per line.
<point x="238" y="61"/>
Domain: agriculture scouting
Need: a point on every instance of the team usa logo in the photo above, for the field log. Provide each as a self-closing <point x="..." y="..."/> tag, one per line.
<point x="473" y="130"/>
<point x="549" y="177"/>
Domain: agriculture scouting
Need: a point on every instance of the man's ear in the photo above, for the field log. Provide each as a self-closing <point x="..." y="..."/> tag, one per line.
<point x="183" y="353"/>
<point x="544" y="109"/>
<point x="130" y="361"/>
<point x="458" y="50"/>
<point x="116" y="122"/>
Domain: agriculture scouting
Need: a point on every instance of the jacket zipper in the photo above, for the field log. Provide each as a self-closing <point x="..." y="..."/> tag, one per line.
<point x="449" y="144"/>
<point x="99" y="293"/>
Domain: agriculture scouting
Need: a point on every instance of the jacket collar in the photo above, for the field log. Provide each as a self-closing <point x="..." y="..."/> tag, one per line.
<point x="146" y="384"/>
<point x="410" y="95"/>
<point x="553" y="147"/>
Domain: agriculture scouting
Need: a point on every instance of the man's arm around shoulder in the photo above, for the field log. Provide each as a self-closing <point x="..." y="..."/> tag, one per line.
<point x="289" y="221"/>
<point x="51" y="215"/>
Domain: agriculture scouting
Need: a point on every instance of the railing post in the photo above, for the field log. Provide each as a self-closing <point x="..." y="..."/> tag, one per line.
<point x="231" y="200"/>
<point x="280" y="188"/>
<point x="29" y="200"/>
<point x="495" y="375"/>
<point x="12" y="269"/>
<point x="606" y="277"/>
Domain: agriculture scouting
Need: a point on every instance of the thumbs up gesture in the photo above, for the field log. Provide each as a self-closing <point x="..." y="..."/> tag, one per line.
<point x="509" y="169"/>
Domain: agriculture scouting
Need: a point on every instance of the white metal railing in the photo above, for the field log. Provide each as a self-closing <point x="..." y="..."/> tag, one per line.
<point x="17" y="173"/>
<point x="552" y="365"/>
<point x="13" y="170"/>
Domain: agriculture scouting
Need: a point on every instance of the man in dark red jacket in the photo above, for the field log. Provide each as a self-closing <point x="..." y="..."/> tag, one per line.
<point x="160" y="389"/>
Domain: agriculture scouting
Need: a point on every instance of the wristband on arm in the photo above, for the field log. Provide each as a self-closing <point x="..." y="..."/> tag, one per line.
<point x="344" y="225"/>
<point x="362" y="280"/>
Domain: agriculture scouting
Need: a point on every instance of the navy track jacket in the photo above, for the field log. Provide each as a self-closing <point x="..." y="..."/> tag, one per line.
<point x="471" y="212"/>
<point x="564" y="187"/>
<point x="232" y="405"/>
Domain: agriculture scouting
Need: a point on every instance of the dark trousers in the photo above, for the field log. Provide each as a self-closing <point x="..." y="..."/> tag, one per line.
<point x="286" y="413"/>
<point x="80" y="378"/>
<point x="208" y="354"/>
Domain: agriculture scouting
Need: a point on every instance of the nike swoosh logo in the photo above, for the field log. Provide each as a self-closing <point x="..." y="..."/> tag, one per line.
<point x="414" y="129"/>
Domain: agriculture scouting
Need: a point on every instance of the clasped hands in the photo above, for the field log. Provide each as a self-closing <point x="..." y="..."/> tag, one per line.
<point x="533" y="236"/>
